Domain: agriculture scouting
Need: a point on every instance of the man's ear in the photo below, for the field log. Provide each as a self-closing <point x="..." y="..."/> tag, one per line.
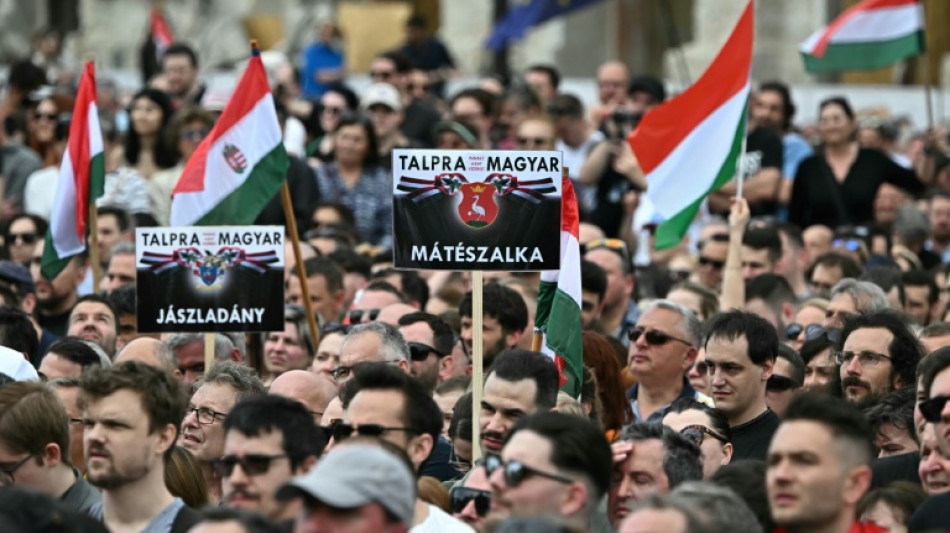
<point x="575" y="500"/>
<point x="446" y="365"/>
<point x="166" y="438"/>
<point x="419" y="448"/>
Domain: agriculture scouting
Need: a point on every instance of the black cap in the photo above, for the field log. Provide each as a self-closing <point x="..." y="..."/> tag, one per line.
<point x="650" y="85"/>
<point x="17" y="275"/>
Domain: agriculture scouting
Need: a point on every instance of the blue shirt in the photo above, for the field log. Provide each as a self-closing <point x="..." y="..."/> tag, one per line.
<point x="371" y="200"/>
<point x="795" y="150"/>
<point x="657" y="416"/>
<point x="316" y="57"/>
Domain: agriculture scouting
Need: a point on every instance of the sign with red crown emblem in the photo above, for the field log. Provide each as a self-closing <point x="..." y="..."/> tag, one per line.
<point x="477" y="208"/>
<point x="499" y="210"/>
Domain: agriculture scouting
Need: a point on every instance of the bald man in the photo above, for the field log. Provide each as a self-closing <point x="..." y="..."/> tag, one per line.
<point x="393" y="312"/>
<point x="313" y="390"/>
<point x="152" y="352"/>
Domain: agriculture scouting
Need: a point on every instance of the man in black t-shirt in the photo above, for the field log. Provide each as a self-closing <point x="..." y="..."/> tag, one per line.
<point x="762" y="174"/>
<point x="740" y="354"/>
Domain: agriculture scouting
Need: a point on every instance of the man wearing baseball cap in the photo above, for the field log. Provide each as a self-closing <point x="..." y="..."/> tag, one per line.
<point x="383" y="104"/>
<point x="357" y="488"/>
<point x="18" y="290"/>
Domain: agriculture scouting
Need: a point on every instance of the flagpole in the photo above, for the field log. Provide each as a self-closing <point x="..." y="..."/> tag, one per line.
<point x="301" y="271"/>
<point x="94" y="245"/>
<point x="209" y="351"/>
<point x="739" y="173"/>
<point x="477" y="370"/>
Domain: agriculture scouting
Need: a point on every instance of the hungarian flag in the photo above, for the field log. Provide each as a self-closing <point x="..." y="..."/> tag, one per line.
<point x="689" y="146"/>
<point x="872" y="34"/>
<point x="161" y="33"/>
<point x="240" y="165"/>
<point x="559" y="300"/>
<point x="81" y="180"/>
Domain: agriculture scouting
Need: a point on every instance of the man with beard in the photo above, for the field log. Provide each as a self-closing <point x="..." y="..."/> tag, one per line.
<point x="430" y="348"/>
<point x="56" y="297"/>
<point x="879" y="354"/>
<point x="939" y="242"/>
<point x="94" y="319"/>
<point x="271" y="439"/>
<point x="520" y="383"/>
<point x="505" y="319"/>
<point x="131" y="413"/>
<point x="202" y="429"/>
<point x="772" y="108"/>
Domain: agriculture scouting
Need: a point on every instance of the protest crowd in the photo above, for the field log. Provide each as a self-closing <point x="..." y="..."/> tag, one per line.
<point x="784" y="367"/>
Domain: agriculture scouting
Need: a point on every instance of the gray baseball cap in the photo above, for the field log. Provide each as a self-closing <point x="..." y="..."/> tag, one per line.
<point x="355" y="475"/>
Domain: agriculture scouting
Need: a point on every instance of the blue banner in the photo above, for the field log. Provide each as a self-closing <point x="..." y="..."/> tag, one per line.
<point x="525" y="14"/>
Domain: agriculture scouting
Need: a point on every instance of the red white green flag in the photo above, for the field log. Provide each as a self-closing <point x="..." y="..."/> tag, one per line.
<point x="81" y="180"/>
<point x="869" y="35"/>
<point x="689" y="146"/>
<point x="240" y="165"/>
<point x="559" y="300"/>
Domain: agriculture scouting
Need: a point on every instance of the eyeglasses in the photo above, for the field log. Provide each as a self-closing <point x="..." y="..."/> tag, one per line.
<point x="812" y="332"/>
<point x="932" y="409"/>
<point x="420" y="352"/>
<point x="206" y="415"/>
<point x="654" y="337"/>
<point x="516" y="472"/>
<point x="193" y="134"/>
<point x="865" y="358"/>
<point x="465" y="351"/>
<point x="25" y="238"/>
<point x="462" y="496"/>
<point x="343" y="431"/>
<point x="356" y="315"/>
<point x="381" y="74"/>
<point x="332" y="110"/>
<point x="778" y="383"/>
<point x="335" y="327"/>
<point x="615" y="245"/>
<point x="252" y="465"/>
<point x="851" y="245"/>
<point x="717" y="265"/>
<point x="6" y="474"/>
<point x="696" y="433"/>
<point x="536" y="142"/>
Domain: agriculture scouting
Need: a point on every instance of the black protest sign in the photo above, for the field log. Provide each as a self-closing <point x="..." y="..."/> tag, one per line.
<point x="476" y="210"/>
<point x="210" y="278"/>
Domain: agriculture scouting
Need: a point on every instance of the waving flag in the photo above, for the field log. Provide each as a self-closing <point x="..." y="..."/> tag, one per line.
<point x="525" y="14"/>
<point x="161" y="32"/>
<point x="240" y="165"/>
<point x="559" y="300"/>
<point x="81" y="180"/>
<point x="872" y="34"/>
<point x="689" y="146"/>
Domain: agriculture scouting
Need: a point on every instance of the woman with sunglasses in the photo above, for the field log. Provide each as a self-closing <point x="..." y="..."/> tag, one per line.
<point x="705" y="426"/>
<point x="21" y="235"/>
<point x="336" y="102"/>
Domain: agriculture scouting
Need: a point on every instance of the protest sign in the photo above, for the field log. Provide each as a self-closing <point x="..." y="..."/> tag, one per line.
<point x="476" y="210"/>
<point x="210" y="278"/>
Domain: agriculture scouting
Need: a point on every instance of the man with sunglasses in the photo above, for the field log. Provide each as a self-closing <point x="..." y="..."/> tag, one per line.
<point x="553" y="464"/>
<point x="879" y="354"/>
<point x="471" y="499"/>
<point x="202" y="429"/>
<point x="268" y="440"/>
<point x="430" y="348"/>
<point x="741" y="349"/>
<point x="662" y="349"/>
<point x="380" y="401"/>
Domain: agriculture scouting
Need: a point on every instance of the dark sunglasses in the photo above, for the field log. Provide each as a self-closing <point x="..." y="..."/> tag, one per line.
<point x="654" y="337"/>
<point x="420" y="352"/>
<point x="705" y="261"/>
<point x="343" y="431"/>
<point x="252" y="465"/>
<point x="816" y="331"/>
<point x="516" y="472"/>
<point x="932" y="409"/>
<point x="25" y="238"/>
<point x="462" y="496"/>
<point x="696" y="433"/>
<point x="778" y="383"/>
<point x="356" y="315"/>
<point x="335" y="327"/>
